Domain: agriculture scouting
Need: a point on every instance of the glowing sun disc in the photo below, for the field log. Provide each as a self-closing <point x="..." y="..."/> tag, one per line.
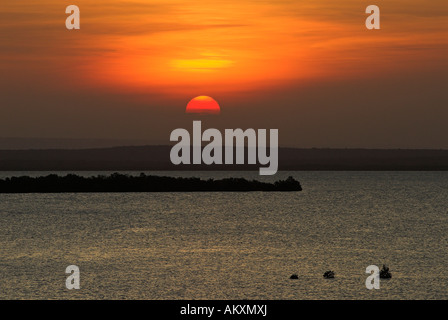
<point x="203" y="105"/>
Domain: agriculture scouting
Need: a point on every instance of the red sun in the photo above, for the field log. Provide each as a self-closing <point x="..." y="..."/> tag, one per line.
<point x="203" y="105"/>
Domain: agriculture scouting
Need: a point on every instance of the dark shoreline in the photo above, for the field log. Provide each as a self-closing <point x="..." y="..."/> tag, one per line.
<point x="143" y="183"/>
<point x="157" y="158"/>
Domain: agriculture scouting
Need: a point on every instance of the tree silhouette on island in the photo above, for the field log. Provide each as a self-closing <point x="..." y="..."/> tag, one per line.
<point x="142" y="183"/>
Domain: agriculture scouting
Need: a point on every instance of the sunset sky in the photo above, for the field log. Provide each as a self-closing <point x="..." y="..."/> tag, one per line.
<point x="309" y="68"/>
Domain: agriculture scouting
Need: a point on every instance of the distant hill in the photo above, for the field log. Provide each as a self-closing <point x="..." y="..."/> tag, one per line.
<point x="64" y="143"/>
<point x="158" y="158"/>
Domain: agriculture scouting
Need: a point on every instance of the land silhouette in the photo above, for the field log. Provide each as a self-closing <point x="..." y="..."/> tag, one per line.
<point x="142" y="183"/>
<point x="141" y="158"/>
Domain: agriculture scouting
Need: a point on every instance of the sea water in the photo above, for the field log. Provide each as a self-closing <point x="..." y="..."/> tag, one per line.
<point x="232" y="245"/>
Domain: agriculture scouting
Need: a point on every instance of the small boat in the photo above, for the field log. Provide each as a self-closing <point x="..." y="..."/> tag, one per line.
<point x="329" y="274"/>
<point x="384" y="273"/>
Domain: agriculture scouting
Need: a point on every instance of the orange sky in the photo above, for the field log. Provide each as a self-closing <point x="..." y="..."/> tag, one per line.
<point x="181" y="49"/>
<point x="230" y="44"/>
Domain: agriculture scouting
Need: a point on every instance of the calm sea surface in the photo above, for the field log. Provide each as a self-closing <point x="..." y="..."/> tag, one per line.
<point x="232" y="245"/>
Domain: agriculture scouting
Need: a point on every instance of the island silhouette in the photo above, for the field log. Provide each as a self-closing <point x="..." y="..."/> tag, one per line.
<point x="117" y="182"/>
